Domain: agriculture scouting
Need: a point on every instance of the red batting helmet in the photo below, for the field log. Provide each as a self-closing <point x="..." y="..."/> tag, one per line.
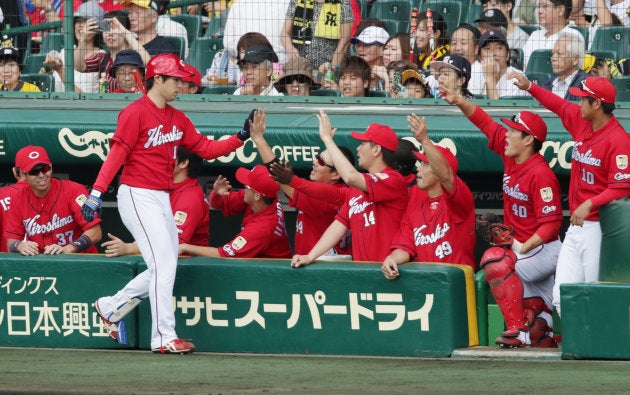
<point x="166" y="64"/>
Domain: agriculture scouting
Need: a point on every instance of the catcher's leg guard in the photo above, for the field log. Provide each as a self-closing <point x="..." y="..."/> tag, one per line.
<point x="498" y="264"/>
<point x="535" y="306"/>
<point x="539" y="334"/>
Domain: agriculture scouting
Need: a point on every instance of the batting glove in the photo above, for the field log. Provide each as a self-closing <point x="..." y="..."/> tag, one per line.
<point x="517" y="246"/>
<point x="243" y="134"/>
<point x="92" y="205"/>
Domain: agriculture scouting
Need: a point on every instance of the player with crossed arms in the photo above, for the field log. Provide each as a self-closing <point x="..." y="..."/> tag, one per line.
<point x="521" y="275"/>
<point x="145" y="142"/>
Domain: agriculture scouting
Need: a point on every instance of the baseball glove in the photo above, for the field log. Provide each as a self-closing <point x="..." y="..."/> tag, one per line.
<point x="490" y="227"/>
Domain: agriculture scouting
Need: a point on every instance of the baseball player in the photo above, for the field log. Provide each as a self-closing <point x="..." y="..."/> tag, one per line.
<point x="439" y="222"/>
<point x="317" y="200"/>
<point x="189" y="204"/>
<point x="263" y="234"/>
<point x="45" y="216"/>
<point x="6" y="195"/>
<point x="376" y="201"/>
<point x="522" y="282"/>
<point x="599" y="171"/>
<point x="144" y="144"/>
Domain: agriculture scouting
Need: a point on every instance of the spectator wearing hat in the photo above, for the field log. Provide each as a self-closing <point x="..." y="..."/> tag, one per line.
<point x="439" y="225"/>
<point x="453" y="72"/>
<point x="414" y="84"/>
<point x="427" y="49"/>
<point x="369" y="46"/>
<point x="535" y="214"/>
<point x="191" y="84"/>
<point x="395" y="76"/>
<point x="45" y="217"/>
<point x="297" y="80"/>
<point x="317" y="30"/>
<point x="599" y="171"/>
<point x="143" y="15"/>
<point x="465" y="42"/>
<point x="491" y="19"/>
<point x="263" y="234"/>
<point x="566" y="58"/>
<point x="489" y="74"/>
<point x="516" y="36"/>
<point x="376" y="199"/>
<point x="257" y="69"/>
<point x="127" y="62"/>
<point x="10" y="71"/>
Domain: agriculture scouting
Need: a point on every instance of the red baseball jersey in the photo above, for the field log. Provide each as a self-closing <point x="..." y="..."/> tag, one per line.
<point x="6" y="195"/>
<point x="600" y="158"/>
<point x="373" y="217"/>
<point x="191" y="213"/>
<point x="531" y="190"/>
<point x="316" y="214"/>
<point x="441" y="229"/>
<point x="54" y="219"/>
<point x="149" y="136"/>
<point x="263" y="234"/>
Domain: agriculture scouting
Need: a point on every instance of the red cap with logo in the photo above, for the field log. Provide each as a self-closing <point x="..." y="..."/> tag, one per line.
<point x="529" y="123"/>
<point x="259" y="180"/>
<point x="598" y="88"/>
<point x="450" y="158"/>
<point x="167" y="64"/>
<point x="380" y="134"/>
<point x="30" y="156"/>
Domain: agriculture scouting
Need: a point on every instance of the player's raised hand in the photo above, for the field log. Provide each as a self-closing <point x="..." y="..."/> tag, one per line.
<point x="243" y="134"/>
<point x="92" y="206"/>
<point x="258" y="123"/>
<point x="520" y="80"/>
<point x="390" y="269"/>
<point x="283" y="174"/>
<point x="326" y="130"/>
<point x="450" y="95"/>
<point x="418" y="127"/>
<point x="222" y="186"/>
<point x="300" y="260"/>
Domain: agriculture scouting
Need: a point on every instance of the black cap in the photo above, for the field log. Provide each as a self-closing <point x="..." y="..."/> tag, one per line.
<point x="493" y="17"/>
<point x="127" y="56"/>
<point x="9" y="52"/>
<point x="257" y="54"/>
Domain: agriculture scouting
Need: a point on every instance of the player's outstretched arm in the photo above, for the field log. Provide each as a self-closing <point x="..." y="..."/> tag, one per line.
<point x="189" y="249"/>
<point x="283" y="174"/>
<point x="329" y="239"/>
<point x="116" y="247"/>
<point x="257" y="128"/>
<point x="391" y="262"/>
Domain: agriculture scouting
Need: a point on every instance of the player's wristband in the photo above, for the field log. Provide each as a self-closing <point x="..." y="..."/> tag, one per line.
<point x="82" y="243"/>
<point x="271" y="162"/>
<point x="14" y="246"/>
<point x="96" y="192"/>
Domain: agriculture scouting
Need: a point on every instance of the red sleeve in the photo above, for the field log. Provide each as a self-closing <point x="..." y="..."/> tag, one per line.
<point x="318" y="190"/>
<point x="493" y="130"/>
<point x="249" y="243"/>
<point x="608" y="195"/>
<point x="404" y="238"/>
<point x="75" y="194"/>
<point x="231" y="204"/>
<point x="206" y="148"/>
<point x="549" y="231"/>
<point x="460" y="201"/>
<point x="189" y="205"/>
<point x="569" y="113"/>
<point x="385" y="186"/>
<point x="112" y="164"/>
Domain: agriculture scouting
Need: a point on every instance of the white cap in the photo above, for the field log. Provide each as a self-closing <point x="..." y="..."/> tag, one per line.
<point x="372" y="35"/>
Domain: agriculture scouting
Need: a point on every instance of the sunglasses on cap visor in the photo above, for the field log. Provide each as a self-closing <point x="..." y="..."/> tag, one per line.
<point x="517" y="119"/>
<point x="39" y="169"/>
<point x="589" y="90"/>
<point x="322" y="162"/>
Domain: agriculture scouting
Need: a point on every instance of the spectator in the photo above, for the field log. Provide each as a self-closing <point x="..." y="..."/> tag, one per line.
<point x="414" y="84"/>
<point x="264" y="17"/>
<point x="566" y="58"/>
<point x="516" y="36"/>
<point x="489" y="75"/>
<point x="369" y="45"/>
<point x="11" y="70"/>
<point x="397" y="47"/>
<point x="143" y="15"/>
<point x="438" y="225"/>
<point x="553" y="16"/>
<point x="492" y="19"/>
<point x="126" y="63"/>
<point x="394" y="78"/>
<point x="317" y="30"/>
<point x="354" y="78"/>
<point x="297" y="80"/>
<point x="191" y="85"/>
<point x="256" y="68"/>
<point x="46" y="215"/>
<point x="465" y="42"/>
<point x="430" y="49"/>
<point x="376" y="200"/>
<point x="524" y="12"/>
<point x="189" y="205"/>
<point x="262" y="234"/>
<point x="454" y="72"/>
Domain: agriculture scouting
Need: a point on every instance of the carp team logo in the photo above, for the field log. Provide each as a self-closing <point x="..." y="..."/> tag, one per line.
<point x="622" y="162"/>
<point x="546" y="194"/>
<point x="180" y="218"/>
<point x="89" y="143"/>
<point x="239" y="243"/>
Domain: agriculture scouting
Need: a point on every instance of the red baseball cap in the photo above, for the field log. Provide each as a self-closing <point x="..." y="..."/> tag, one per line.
<point x="31" y="156"/>
<point x="529" y="123"/>
<point x="259" y="180"/>
<point x="450" y="158"/>
<point x="598" y="88"/>
<point x="380" y="134"/>
<point x="195" y="76"/>
<point x="167" y="64"/>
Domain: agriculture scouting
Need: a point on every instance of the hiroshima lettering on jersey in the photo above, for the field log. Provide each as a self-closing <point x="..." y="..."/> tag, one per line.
<point x="356" y="207"/>
<point x="586" y="157"/>
<point x="33" y="228"/>
<point x="422" y="239"/>
<point x="157" y="138"/>
<point x="280" y="229"/>
<point x="515" y="191"/>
